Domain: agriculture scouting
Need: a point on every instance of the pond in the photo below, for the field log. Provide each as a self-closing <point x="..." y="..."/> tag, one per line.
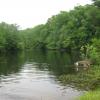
<point x="34" y="75"/>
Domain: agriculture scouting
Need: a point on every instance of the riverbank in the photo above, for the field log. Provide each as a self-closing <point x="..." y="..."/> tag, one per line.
<point x="88" y="80"/>
<point x="91" y="95"/>
<point x="95" y="93"/>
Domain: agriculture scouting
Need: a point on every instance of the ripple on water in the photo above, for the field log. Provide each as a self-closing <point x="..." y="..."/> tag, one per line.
<point x="34" y="81"/>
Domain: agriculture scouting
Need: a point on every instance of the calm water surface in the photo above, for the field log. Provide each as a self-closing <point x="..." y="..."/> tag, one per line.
<point x="35" y="76"/>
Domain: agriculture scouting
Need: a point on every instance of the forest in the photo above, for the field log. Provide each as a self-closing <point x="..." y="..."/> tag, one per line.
<point x="68" y="31"/>
<point x="78" y="29"/>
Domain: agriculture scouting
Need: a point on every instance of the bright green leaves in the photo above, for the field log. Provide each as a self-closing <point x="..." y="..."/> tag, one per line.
<point x="9" y="39"/>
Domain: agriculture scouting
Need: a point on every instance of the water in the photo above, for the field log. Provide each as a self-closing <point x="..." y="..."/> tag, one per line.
<point x="35" y="76"/>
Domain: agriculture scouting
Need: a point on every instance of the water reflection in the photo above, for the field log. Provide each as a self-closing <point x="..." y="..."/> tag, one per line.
<point x="9" y="63"/>
<point x="34" y="74"/>
<point x="57" y="63"/>
<point x="53" y="62"/>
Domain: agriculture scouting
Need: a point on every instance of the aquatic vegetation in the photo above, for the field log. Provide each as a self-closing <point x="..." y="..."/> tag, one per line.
<point x="86" y="80"/>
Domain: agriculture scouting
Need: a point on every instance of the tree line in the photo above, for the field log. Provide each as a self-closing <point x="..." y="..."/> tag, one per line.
<point x="78" y="29"/>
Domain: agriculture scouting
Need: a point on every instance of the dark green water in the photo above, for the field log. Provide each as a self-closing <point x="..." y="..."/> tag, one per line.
<point x="35" y="75"/>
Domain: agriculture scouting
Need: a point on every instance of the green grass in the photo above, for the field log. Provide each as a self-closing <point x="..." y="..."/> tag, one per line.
<point x="91" y="95"/>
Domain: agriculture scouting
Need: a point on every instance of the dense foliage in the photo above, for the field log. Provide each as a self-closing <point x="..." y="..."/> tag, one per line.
<point x="78" y="29"/>
<point x="9" y="38"/>
<point x="72" y="29"/>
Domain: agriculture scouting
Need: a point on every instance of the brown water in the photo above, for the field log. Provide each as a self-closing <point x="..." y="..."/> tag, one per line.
<point x="35" y="76"/>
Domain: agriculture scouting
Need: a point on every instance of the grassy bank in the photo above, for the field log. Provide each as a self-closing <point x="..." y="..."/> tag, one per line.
<point x="91" y="95"/>
<point x="88" y="80"/>
<point x="95" y="93"/>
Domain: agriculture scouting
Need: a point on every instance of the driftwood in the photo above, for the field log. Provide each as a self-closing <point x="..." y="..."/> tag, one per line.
<point x="85" y="64"/>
